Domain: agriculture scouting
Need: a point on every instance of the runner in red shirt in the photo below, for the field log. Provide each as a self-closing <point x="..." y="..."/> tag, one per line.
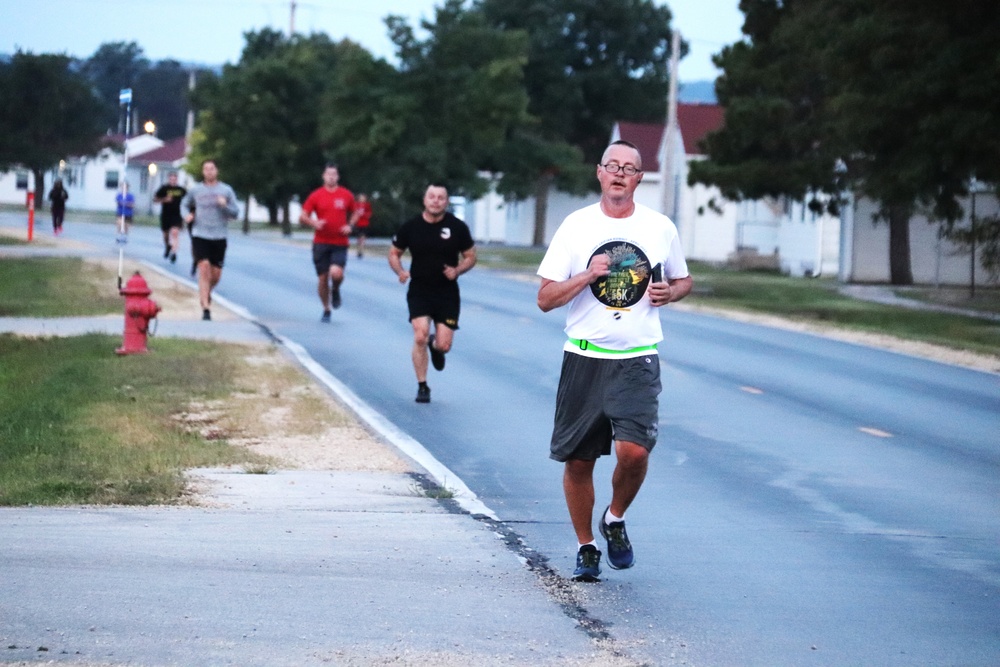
<point x="326" y="210"/>
<point x="361" y="227"/>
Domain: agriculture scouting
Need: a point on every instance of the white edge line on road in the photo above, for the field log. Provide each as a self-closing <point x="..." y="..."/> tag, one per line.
<point x="447" y="479"/>
<point x="221" y="300"/>
<point x="409" y="446"/>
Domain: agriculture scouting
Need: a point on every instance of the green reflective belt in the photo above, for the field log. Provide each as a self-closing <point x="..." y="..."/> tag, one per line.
<point x="586" y="345"/>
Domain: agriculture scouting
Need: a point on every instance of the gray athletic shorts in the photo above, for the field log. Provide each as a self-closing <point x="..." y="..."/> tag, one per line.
<point x="601" y="400"/>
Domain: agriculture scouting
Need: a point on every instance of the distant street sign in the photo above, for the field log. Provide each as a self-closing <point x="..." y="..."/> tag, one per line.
<point x="125" y="96"/>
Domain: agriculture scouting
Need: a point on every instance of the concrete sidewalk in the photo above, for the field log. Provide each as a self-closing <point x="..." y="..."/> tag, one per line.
<point x="887" y="295"/>
<point x="233" y="331"/>
<point x="293" y="568"/>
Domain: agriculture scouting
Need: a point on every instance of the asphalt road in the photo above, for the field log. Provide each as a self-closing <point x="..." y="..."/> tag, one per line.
<point x="810" y="501"/>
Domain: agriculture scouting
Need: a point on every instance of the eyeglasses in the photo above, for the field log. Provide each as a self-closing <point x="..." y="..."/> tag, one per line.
<point x="614" y="168"/>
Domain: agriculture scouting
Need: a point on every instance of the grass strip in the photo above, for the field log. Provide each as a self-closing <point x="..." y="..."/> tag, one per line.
<point x="82" y="425"/>
<point x="56" y="287"/>
<point x="819" y="301"/>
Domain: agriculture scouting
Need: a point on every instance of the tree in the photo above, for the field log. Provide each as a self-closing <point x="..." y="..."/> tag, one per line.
<point x="441" y="117"/>
<point x="259" y="119"/>
<point x="161" y="92"/>
<point x="115" y="65"/>
<point x="47" y="112"/>
<point x="590" y="63"/>
<point x="887" y="99"/>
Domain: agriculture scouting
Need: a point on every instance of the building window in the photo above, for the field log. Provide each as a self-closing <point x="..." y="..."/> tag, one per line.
<point x="22" y="179"/>
<point x="71" y="177"/>
<point x="111" y="179"/>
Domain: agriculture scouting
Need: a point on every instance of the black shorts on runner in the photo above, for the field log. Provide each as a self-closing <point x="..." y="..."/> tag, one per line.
<point x="214" y="250"/>
<point x="167" y="225"/>
<point x="326" y="255"/>
<point x="441" y="304"/>
<point x="602" y="400"/>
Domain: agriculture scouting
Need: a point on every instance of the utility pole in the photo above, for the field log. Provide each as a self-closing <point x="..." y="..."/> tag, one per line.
<point x="667" y="167"/>
<point x="189" y="125"/>
<point x="291" y="19"/>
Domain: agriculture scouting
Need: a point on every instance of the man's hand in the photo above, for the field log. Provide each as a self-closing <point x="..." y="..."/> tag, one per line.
<point x="660" y="294"/>
<point x="221" y="201"/>
<point x="600" y="266"/>
<point x="403" y="276"/>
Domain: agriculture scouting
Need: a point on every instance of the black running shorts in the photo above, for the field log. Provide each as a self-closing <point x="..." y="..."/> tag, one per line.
<point x="602" y="400"/>
<point x="166" y="224"/>
<point x="214" y="250"/>
<point x="326" y="255"/>
<point x="439" y="302"/>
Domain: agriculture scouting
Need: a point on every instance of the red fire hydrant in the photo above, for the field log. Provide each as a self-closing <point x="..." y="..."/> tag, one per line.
<point x="139" y="310"/>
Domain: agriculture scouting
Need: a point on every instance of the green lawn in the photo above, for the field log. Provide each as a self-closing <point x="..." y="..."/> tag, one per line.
<point x="55" y="287"/>
<point x="84" y="425"/>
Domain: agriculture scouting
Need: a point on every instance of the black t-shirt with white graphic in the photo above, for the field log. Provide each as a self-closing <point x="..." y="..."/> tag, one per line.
<point x="171" y="210"/>
<point x="433" y="246"/>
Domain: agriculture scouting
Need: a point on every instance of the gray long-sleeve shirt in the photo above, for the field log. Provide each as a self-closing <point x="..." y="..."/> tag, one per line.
<point x="211" y="219"/>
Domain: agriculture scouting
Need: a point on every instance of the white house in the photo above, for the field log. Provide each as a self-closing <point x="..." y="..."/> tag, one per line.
<point x="783" y="233"/>
<point x="707" y="227"/>
<point x="933" y="260"/>
<point x="150" y="168"/>
<point x="92" y="181"/>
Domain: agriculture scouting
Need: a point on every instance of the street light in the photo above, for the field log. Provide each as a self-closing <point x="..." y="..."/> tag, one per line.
<point x="152" y="173"/>
<point x="150" y="127"/>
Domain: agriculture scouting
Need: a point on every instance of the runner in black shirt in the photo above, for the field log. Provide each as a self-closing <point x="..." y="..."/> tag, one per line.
<point x="441" y="249"/>
<point x="169" y="198"/>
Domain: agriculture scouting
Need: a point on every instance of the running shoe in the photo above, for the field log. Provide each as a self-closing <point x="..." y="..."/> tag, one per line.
<point x="335" y="297"/>
<point x="620" y="554"/>
<point x="588" y="564"/>
<point x="423" y="394"/>
<point x="173" y="258"/>
<point x="437" y="356"/>
<point x="325" y="319"/>
<point x="206" y="314"/>
<point x="166" y="252"/>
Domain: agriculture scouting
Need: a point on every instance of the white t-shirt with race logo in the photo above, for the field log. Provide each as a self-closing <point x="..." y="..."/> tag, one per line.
<point x="615" y="313"/>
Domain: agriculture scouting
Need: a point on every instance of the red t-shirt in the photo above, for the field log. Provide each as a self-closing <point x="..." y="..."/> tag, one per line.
<point x="333" y="206"/>
<point x="366" y="214"/>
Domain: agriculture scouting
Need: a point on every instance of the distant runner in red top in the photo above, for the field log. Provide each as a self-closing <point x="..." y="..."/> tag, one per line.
<point x="326" y="210"/>
<point x="361" y="228"/>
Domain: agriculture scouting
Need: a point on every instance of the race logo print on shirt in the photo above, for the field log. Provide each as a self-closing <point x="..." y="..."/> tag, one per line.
<point x="630" y="274"/>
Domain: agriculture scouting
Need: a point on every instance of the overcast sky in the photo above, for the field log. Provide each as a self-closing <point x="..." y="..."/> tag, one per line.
<point x="211" y="31"/>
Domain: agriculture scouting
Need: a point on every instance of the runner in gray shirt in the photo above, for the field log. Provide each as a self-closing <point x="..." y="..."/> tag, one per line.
<point x="210" y="206"/>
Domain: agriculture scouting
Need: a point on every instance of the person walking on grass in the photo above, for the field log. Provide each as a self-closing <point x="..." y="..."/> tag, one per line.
<point x="332" y="212"/>
<point x="210" y="205"/>
<point x="615" y="263"/>
<point x="441" y="249"/>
